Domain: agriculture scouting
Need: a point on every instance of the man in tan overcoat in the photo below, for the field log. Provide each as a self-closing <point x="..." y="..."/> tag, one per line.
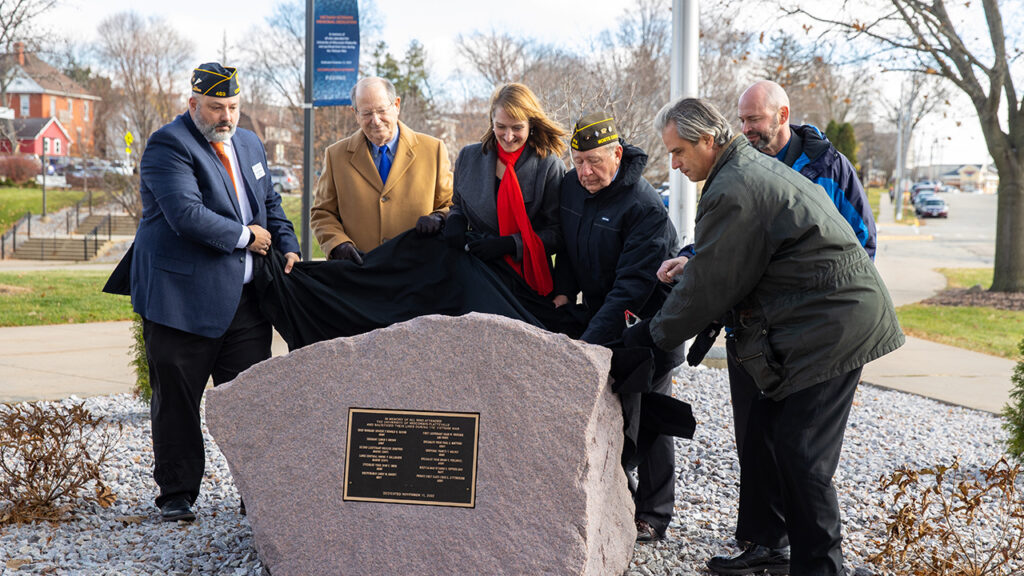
<point x="381" y="181"/>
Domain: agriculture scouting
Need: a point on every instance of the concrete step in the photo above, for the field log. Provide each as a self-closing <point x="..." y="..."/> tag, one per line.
<point x="74" y="249"/>
<point x="121" y="225"/>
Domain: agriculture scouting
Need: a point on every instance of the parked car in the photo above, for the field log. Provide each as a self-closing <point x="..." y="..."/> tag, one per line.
<point x="922" y="197"/>
<point x="933" y="208"/>
<point x="924" y="186"/>
<point x="122" y="167"/>
<point x="284" y="179"/>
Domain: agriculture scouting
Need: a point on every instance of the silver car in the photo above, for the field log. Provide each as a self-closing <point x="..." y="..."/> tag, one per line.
<point x="284" y="179"/>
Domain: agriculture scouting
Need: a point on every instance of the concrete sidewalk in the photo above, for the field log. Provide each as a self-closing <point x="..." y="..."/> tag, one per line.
<point x="54" y="362"/>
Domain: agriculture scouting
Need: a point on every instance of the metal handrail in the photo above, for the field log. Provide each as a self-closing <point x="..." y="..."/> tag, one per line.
<point x="13" y="234"/>
<point x="95" y="233"/>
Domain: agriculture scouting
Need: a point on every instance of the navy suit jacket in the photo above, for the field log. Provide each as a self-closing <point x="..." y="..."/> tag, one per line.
<point x="186" y="272"/>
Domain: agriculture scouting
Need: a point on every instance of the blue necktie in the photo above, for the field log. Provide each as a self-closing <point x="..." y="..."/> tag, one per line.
<point x="385" y="164"/>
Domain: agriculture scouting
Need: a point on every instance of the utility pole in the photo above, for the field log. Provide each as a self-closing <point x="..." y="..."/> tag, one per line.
<point x="306" y="246"/>
<point x="685" y="51"/>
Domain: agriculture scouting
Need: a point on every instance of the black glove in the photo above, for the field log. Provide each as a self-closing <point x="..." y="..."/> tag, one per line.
<point x="455" y="231"/>
<point x="347" y="251"/>
<point x="429" y="225"/>
<point x="638" y="335"/>
<point x="491" y="248"/>
<point x="703" y="342"/>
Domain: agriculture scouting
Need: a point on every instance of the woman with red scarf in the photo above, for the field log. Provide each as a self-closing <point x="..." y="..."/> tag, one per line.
<point x="505" y="201"/>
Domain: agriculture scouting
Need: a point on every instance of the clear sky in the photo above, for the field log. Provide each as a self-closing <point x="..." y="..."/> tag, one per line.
<point x="436" y="24"/>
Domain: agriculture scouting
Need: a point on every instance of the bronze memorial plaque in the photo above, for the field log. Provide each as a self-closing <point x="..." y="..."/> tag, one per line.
<point x="411" y="457"/>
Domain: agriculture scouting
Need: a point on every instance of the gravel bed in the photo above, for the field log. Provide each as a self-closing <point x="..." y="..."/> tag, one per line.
<point x="887" y="429"/>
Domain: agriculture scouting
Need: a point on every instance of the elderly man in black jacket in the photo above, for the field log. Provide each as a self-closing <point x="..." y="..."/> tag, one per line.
<point x="615" y="234"/>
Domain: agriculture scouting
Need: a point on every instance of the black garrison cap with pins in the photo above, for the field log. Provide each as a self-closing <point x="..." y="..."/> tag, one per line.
<point x="594" y="130"/>
<point x="212" y="79"/>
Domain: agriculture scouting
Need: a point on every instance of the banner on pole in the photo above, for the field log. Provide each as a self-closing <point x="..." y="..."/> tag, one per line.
<point x="335" y="51"/>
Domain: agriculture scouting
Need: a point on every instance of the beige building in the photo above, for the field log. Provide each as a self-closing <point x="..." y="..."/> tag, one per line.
<point x="981" y="178"/>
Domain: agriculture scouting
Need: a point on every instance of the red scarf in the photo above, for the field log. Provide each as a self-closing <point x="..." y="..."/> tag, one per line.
<point x="535" y="267"/>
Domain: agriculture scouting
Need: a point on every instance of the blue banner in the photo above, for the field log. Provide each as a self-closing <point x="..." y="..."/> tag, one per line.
<point x="335" y="51"/>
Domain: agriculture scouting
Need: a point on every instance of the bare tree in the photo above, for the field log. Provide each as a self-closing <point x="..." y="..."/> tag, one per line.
<point x="498" y="57"/>
<point x="726" y="61"/>
<point x="788" y="62"/>
<point x="625" y="72"/>
<point x="149" y="61"/>
<point x="276" y="55"/>
<point x="920" y="97"/>
<point x="940" y="38"/>
<point x="844" y="92"/>
<point x="18" y="19"/>
<point x="800" y="69"/>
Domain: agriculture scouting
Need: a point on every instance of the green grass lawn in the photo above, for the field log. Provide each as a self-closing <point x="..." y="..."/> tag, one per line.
<point x="40" y="297"/>
<point x="986" y="330"/>
<point x="14" y="202"/>
<point x="874" y="193"/>
<point x="293" y="210"/>
<point x="967" y="277"/>
<point x="58" y="297"/>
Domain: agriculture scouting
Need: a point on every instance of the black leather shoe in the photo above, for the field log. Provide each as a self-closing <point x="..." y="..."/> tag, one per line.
<point x="755" y="559"/>
<point x="645" y="533"/>
<point x="177" y="509"/>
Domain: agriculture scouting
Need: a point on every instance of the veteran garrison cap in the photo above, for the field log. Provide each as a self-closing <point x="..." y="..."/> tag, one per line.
<point x="594" y="130"/>
<point x="212" y="79"/>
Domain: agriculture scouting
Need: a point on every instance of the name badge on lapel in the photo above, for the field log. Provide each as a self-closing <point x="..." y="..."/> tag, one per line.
<point x="257" y="170"/>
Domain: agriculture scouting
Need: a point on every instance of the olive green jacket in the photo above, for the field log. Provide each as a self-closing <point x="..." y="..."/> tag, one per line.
<point x="776" y="259"/>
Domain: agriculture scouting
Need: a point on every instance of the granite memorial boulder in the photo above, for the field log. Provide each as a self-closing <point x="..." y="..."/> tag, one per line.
<point x="442" y="445"/>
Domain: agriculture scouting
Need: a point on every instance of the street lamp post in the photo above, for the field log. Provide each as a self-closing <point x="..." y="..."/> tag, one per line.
<point x="45" y="145"/>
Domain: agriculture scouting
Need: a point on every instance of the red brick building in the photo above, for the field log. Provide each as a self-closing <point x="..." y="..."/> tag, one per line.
<point x="38" y="90"/>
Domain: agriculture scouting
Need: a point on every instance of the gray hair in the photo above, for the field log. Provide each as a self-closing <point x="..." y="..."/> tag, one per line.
<point x="388" y="87"/>
<point x="693" y="118"/>
<point x="610" y="147"/>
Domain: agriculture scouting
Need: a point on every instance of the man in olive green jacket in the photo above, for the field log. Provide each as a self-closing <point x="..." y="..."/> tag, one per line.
<point x="805" y="307"/>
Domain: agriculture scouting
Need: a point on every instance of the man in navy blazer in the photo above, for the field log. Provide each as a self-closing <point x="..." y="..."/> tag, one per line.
<point x="191" y="267"/>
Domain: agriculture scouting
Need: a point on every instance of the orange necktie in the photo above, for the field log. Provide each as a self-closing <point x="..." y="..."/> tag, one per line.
<point x="218" y="147"/>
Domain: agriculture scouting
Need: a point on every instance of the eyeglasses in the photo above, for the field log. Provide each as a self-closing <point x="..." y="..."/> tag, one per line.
<point x="380" y="112"/>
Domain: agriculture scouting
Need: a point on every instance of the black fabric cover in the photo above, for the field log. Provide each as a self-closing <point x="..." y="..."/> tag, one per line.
<point x="413" y="275"/>
<point x="120" y="280"/>
<point x="406" y="277"/>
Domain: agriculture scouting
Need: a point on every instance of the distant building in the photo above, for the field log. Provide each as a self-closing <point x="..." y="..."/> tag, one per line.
<point x="281" y="137"/>
<point x="38" y="136"/>
<point x="972" y="178"/>
<point x="37" y="90"/>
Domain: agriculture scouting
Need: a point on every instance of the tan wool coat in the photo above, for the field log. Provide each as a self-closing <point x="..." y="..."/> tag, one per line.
<point x="353" y="205"/>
